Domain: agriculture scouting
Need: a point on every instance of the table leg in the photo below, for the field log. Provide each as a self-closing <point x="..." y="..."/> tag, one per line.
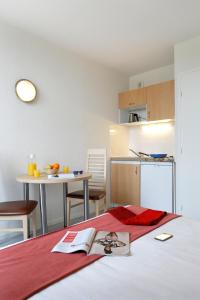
<point x="43" y="209"/>
<point x="86" y="199"/>
<point x="26" y="198"/>
<point x="26" y="191"/>
<point x="65" y="191"/>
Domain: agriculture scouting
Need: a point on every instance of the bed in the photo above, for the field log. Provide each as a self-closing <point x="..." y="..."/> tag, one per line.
<point x="154" y="270"/>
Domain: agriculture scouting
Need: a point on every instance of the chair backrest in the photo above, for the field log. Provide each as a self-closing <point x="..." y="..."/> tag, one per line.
<point x="96" y="165"/>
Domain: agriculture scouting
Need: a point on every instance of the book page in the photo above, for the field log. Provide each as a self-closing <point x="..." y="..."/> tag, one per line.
<point x="111" y="243"/>
<point x="74" y="241"/>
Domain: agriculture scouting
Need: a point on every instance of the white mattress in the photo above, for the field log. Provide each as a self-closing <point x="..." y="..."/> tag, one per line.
<point x="154" y="270"/>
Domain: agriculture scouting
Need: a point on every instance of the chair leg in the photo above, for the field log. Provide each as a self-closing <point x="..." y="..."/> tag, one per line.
<point x="105" y="204"/>
<point x="25" y="227"/>
<point x="68" y="210"/>
<point x="97" y="207"/>
<point x="33" y="219"/>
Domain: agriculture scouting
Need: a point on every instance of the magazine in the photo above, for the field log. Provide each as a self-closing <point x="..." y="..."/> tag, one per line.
<point x="92" y="242"/>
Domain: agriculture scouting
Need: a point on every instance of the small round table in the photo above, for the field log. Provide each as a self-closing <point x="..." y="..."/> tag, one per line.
<point x="42" y="181"/>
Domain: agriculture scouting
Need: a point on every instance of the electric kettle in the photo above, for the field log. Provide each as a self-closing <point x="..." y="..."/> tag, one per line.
<point x="133" y="117"/>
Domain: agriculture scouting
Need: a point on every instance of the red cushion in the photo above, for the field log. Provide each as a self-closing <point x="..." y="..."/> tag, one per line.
<point x="148" y="218"/>
<point x="121" y="213"/>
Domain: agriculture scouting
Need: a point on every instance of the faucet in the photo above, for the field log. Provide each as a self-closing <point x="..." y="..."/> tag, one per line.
<point x="138" y="155"/>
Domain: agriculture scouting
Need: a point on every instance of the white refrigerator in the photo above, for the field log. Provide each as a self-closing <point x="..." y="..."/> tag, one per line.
<point x="157" y="185"/>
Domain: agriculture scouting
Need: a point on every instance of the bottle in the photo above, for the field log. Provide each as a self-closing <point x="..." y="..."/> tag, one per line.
<point x="31" y="164"/>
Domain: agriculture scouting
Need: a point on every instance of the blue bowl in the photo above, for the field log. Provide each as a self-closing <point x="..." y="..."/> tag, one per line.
<point x="158" y="155"/>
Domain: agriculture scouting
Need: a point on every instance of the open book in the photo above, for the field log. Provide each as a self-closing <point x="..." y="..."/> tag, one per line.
<point x="93" y="242"/>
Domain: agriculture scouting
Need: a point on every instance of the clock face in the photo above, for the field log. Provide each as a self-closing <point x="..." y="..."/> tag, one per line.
<point x="25" y="90"/>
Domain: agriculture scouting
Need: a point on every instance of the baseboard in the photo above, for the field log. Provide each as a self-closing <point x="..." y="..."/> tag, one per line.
<point x="54" y="222"/>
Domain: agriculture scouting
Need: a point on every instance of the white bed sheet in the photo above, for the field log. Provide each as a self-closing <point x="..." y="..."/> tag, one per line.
<point x="155" y="270"/>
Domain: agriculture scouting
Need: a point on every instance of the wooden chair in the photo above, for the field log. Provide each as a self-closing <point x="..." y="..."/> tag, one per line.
<point x="18" y="210"/>
<point x="96" y="165"/>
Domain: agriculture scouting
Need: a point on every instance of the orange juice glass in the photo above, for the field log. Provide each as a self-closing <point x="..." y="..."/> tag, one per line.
<point x="36" y="173"/>
<point x="65" y="169"/>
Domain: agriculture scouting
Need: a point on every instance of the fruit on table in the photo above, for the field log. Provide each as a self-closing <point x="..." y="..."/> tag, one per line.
<point x="56" y="166"/>
<point x="53" y="166"/>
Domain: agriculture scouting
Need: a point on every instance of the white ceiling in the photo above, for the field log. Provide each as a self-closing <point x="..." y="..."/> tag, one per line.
<point x="129" y="35"/>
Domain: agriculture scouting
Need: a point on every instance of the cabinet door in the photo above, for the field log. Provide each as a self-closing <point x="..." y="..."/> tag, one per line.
<point x="156" y="186"/>
<point x="124" y="99"/>
<point x="132" y="98"/>
<point x="160" y="101"/>
<point x="188" y="145"/>
<point x="125" y="183"/>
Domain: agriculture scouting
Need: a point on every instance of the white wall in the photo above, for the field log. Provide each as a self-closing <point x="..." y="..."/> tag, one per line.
<point x="119" y="140"/>
<point x="152" y="77"/>
<point x="77" y="102"/>
<point x="153" y="138"/>
<point x="187" y="74"/>
<point x="186" y="56"/>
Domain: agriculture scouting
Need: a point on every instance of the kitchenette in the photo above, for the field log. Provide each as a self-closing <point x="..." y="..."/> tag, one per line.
<point x="142" y="148"/>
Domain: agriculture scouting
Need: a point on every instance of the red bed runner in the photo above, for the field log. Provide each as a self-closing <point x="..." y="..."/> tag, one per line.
<point x="29" y="267"/>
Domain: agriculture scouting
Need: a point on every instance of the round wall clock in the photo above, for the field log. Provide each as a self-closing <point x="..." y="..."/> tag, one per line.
<point x="25" y="90"/>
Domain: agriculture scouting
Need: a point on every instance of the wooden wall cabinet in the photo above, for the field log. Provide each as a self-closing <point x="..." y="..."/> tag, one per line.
<point x="156" y="100"/>
<point x="125" y="183"/>
<point x="132" y="98"/>
<point x="160" y="101"/>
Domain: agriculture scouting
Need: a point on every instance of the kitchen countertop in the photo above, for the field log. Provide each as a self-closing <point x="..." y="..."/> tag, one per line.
<point x="135" y="158"/>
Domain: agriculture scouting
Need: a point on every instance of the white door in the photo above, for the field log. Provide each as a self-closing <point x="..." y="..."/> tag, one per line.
<point x="156" y="186"/>
<point x="188" y="145"/>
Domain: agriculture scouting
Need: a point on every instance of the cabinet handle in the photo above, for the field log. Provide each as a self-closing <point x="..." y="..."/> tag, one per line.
<point x="148" y="115"/>
<point x="136" y="171"/>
